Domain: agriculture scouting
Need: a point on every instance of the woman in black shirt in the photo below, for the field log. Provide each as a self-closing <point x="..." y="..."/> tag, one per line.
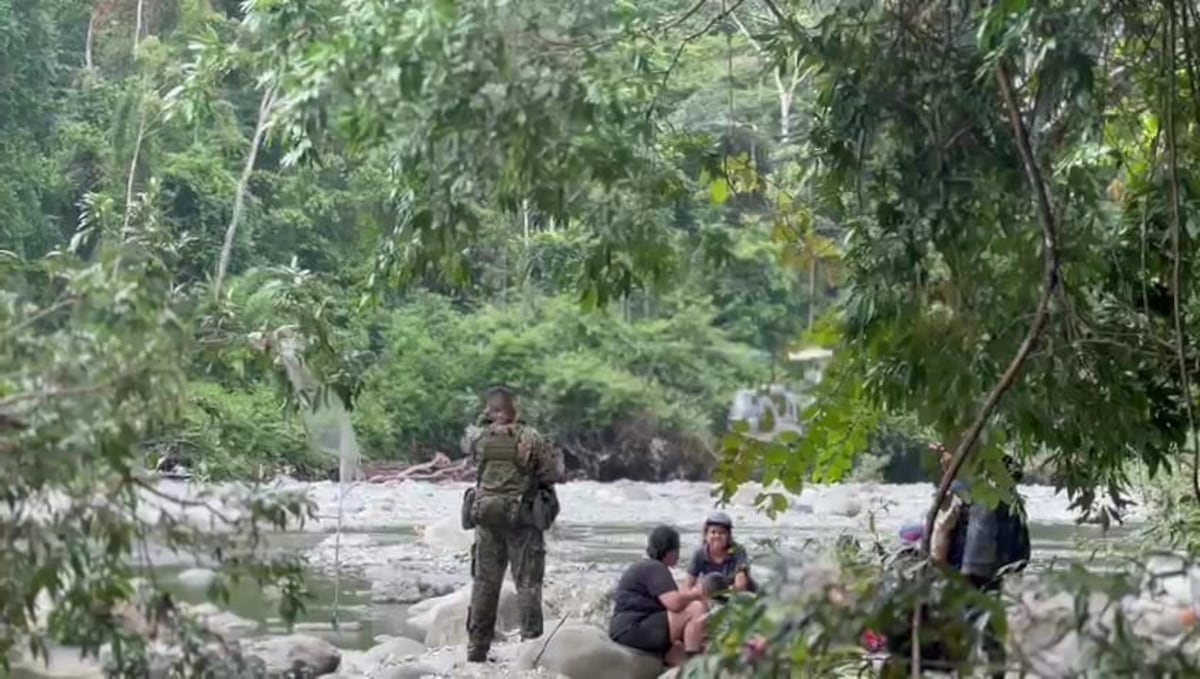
<point x="650" y="613"/>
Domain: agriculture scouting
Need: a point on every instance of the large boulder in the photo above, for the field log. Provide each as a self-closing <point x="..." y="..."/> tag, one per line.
<point x="447" y="535"/>
<point x="444" y="619"/>
<point x="581" y="651"/>
<point x="847" y="504"/>
<point x="703" y="666"/>
<point x="409" y="670"/>
<point x="1056" y="633"/>
<point x="165" y="658"/>
<point x="623" y="491"/>
<point x="295" y="653"/>
<point x="395" y="648"/>
<point x="579" y="600"/>
<point x="409" y="589"/>
<point x="222" y="623"/>
<point x="197" y="578"/>
<point x="61" y="663"/>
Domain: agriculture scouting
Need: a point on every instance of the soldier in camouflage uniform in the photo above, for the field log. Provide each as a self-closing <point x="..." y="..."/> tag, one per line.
<point x="513" y="463"/>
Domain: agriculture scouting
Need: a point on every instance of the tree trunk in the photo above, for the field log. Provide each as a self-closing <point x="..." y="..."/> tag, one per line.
<point x="239" y="201"/>
<point x="133" y="163"/>
<point x="137" y="30"/>
<point x="787" y="95"/>
<point x="87" y="42"/>
<point x="812" y="290"/>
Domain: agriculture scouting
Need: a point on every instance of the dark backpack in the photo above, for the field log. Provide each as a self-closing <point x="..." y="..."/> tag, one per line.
<point x="1014" y="546"/>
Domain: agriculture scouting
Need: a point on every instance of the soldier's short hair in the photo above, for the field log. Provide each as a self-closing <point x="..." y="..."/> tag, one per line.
<point x="500" y="391"/>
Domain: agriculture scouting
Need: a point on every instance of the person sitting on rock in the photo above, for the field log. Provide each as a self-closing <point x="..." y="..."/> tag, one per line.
<point x="650" y="612"/>
<point x="720" y="555"/>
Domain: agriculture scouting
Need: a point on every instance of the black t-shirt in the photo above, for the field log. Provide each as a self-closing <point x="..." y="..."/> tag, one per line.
<point x="637" y="593"/>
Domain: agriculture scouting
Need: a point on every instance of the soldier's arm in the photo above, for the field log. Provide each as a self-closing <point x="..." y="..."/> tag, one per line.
<point x="470" y="437"/>
<point x="538" y="453"/>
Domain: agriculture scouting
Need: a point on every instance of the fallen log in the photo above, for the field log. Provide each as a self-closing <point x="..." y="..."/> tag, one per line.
<point x="438" y="470"/>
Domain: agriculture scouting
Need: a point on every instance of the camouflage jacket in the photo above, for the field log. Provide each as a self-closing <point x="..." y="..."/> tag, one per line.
<point x="533" y="451"/>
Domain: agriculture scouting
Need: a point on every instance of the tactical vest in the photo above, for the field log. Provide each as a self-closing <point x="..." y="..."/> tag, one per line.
<point x="501" y="474"/>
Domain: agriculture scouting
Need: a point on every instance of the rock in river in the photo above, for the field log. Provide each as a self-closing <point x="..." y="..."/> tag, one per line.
<point x="585" y="652"/>
<point x="444" y="619"/>
<point x="395" y="648"/>
<point x="197" y="578"/>
<point x="410" y="589"/>
<point x="295" y="652"/>
<point x="447" y="535"/>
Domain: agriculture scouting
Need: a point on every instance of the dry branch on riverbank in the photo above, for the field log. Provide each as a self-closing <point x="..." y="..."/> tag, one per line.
<point x="438" y="470"/>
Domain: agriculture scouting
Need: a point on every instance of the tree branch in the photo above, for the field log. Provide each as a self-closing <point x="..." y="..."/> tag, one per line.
<point x="180" y="501"/>
<point x="679" y="52"/>
<point x="1169" y="46"/>
<point x="1050" y="281"/>
<point x="36" y="316"/>
<point x="62" y="392"/>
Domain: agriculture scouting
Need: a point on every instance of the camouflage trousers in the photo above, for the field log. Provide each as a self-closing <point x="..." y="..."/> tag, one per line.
<point x="524" y="549"/>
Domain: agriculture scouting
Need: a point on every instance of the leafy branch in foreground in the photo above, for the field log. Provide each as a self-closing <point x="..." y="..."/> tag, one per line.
<point x="482" y="109"/>
<point x="917" y="158"/>
<point x="84" y="384"/>
<point x="812" y="621"/>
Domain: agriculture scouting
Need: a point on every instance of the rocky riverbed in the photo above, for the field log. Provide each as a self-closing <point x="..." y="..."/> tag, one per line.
<point x="402" y="566"/>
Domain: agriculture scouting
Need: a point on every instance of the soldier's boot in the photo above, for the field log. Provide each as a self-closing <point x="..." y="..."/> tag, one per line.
<point x="477" y="653"/>
<point x="529" y="606"/>
<point x="479" y="641"/>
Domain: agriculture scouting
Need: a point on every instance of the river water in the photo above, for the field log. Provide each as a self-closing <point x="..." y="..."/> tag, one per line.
<point x="393" y="532"/>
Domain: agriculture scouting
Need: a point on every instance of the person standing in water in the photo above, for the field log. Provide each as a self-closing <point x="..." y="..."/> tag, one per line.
<point x="721" y="556"/>
<point x="510" y="507"/>
<point x="983" y="543"/>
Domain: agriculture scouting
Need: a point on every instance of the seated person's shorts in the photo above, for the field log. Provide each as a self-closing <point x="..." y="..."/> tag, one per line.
<point x="651" y="634"/>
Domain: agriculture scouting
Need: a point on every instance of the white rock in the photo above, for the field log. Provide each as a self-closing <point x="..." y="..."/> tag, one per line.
<point x="447" y="535"/>
<point x="63" y="663"/>
<point x="197" y="578"/>
<point x="444" y="619"/>
<point x="409" y="670"/>
<point x="295" y="651"/>
<point x="624" y="491"/>
<point x="395" y="648"/>
<point x="424" y="607"/>
<point x="580" y="601"/>
<point x="746" y="495"/>
<point x="355" y="664"/>
<point x="222" y="623"/>
<point x="585" y="652"/>
<point x="849" y="505"/>
<point x="409" y="589"/>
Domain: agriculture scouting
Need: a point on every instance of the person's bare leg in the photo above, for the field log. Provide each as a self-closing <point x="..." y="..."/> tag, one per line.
<point x="676" y="656"/>
<point x="678" y="622"/>
<point x="693" y="634"/>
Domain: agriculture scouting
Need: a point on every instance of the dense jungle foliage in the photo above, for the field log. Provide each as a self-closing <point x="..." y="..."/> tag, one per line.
<point x="120" y="115"/>
<point x="625" y="210"/>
